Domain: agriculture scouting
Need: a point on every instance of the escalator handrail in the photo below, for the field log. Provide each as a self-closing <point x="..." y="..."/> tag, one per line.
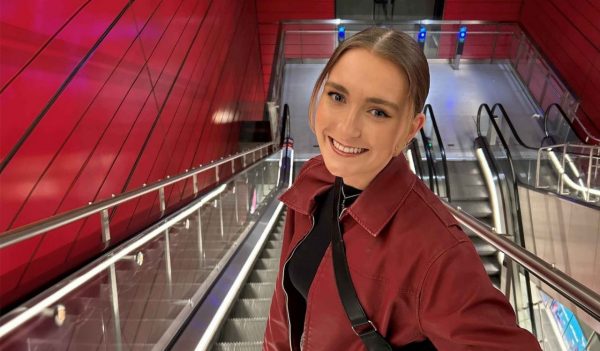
<point x="582" y="296"/>
<point x="499" y="107"/>
<point x="515" y="180"/>
<point x="37" y="228"/>
<point x="429" y="158"/>
<point x="438" y="136"/>
<point x="564" y="117"/>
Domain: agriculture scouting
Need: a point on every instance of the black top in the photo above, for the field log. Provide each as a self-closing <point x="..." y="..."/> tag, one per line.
<point x="303" y="265"/>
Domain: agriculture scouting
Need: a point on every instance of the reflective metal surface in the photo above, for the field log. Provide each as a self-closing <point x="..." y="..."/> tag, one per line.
<point x="115" y="303"/>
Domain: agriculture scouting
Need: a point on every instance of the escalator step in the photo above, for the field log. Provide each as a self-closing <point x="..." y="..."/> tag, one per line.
<point x="491" y="265"/>
<point x="243" y="329"/>
<point x="263" y="276"/>
<point x="267" y="263"/>
<point x="238" y="346"/>
<point x="482" y="247"/>
<point x="251" y="308"/>
<point x="477" y="209"/>
<point x="257" y="290"/>
<point x="273" y="244"/>
<point x="271" y="253"/>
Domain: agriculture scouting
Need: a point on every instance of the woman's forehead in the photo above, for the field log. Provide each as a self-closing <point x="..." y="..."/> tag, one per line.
<point x="362" y="72"/>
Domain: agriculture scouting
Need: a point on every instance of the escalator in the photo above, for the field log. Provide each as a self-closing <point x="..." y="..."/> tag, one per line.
<point x="245" y="326"/>
<point x="488" y="188"/>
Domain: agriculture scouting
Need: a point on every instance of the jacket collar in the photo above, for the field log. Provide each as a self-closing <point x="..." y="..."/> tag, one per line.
<point x="372" y="209"/>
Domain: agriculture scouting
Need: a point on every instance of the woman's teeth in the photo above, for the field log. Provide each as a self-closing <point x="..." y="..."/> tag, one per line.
<point x="346" y="149"/>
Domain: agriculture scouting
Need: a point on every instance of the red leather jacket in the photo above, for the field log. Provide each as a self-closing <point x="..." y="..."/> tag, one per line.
<point x="416" y="273"/>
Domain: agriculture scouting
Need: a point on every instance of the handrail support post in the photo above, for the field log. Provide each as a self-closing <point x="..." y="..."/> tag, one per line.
<point x="195" y="184"/>
<point x="161" y="199"/>
<point x="105" y="222"/>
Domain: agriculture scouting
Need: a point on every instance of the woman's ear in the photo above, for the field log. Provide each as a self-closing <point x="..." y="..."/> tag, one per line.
<point x="416" y="124"/>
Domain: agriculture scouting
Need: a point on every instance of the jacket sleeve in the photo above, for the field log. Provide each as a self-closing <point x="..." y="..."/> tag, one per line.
<point x="459" y="308"/>
<point x="276" y="335"/>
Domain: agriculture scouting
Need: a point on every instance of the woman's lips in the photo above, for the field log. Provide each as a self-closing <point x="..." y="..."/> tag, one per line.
<point x="342" y="153"/>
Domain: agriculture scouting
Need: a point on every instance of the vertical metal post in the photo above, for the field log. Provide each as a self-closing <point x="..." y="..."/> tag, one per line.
<point x="244" y="161"/>
<point x="217" y="173"/>
<point x="253" y="156"/>
<point x="161" y="199"/>
<point x="589" y="174"/>
<point x="105" y="223"/>
<point x="168" y="270"/>
<point x="195" y="184"/>
<point x="199" y="232"/>
<point x="233" y="166"/>
<point x="236" y="194"/>
<point x="114" y="299"/>
<point x="537" y="168"/>
<point x="563" y="173"/>
<point x="221" y="215"/>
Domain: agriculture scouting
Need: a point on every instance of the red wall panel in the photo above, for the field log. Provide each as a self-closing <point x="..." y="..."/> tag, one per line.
<point x="568" y="34"/>
<point x="483" y="10"/>
<point x="270" y="12"/>
<point x="141" y="107"/>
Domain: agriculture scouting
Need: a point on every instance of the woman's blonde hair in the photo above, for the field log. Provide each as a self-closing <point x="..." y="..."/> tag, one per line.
<point x="398" y="48"/>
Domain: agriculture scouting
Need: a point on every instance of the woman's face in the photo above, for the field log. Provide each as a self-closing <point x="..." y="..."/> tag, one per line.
<point x="363" y="117"/>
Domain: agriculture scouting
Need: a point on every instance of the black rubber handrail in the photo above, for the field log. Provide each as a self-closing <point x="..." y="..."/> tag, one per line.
<point x="429" y="158"/>
<point x="518" y="229"/>
<point x="564" y="117"/>
<point x="438" y="136"/>
<point x="62" y="87"/>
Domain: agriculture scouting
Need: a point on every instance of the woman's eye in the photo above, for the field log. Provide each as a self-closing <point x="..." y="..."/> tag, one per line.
<point x="336" y="97"/>
<point x="379" y="113"/>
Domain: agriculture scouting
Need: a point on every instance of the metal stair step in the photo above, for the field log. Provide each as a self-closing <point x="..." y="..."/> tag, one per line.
<point x="263" y="276"/>
<point x="238" y="346"/>
<point x="267" y="263"/>
<point x="257" y="290"/>
<point x="243" y="329"/>
<point x="482" y="247"/>
<point x="251" y="308"/>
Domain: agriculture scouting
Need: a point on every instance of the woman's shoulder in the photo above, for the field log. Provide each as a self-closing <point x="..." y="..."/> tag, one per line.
<point x="427" y="221"/>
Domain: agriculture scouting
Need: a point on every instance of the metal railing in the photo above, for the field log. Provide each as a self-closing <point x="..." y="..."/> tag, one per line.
<point x="307" y="40"/>
<point x="28" y="231"/>
<point x="591" y="159"/>
<point x="582" y="296"/>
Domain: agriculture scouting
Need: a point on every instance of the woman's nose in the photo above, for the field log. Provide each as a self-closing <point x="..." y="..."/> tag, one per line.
<point x="350" y="124"/>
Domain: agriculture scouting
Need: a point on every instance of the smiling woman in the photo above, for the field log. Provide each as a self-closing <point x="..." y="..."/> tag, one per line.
<point x="405" y="276"/>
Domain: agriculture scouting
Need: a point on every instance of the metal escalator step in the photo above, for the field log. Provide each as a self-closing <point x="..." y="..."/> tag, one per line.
<point x="271" y="253"/>
<point x="243" y="329"/>
<point x="470" y="192"/>
<point x="257" y="290"/>
<point x="491" y="265"/>
<point x="238" y="346"/>
<point x="477" y="209"/>
<point x="267" y="263"/>
<point x="251" y="308"/>
<point x="273" y="244"/>
<point x="482" y="247"/>
<point x="263" y="276"/>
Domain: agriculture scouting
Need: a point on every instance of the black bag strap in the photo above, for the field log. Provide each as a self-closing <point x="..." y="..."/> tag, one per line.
<point x="361" y="324"/>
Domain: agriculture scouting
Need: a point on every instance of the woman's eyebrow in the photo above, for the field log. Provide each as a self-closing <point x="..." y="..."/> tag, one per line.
<point x="379" y="101"/>
<point x="339" y="87"/>
<point x="373" y="100"/>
